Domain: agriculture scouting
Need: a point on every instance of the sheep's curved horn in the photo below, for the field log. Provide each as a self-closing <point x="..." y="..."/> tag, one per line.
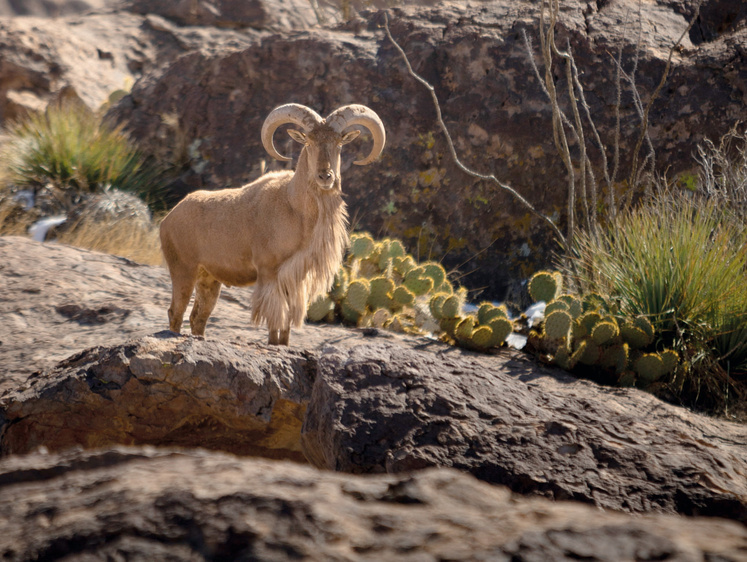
<point x="295" y="113"/>
<point x="349" y="115"/>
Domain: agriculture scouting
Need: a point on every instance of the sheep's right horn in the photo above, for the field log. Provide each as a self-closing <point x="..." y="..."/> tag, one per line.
<point x="295" y="113"/>
<point x="349" y="115"/>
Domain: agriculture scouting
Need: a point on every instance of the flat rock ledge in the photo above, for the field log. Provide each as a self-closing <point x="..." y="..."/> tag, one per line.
<point x="378" y="403"/>
<point x="142" y="504"/>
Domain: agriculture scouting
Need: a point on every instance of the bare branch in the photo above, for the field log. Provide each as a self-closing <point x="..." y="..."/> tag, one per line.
<point x="644" y="125"/>
<point x="450" y="142"/>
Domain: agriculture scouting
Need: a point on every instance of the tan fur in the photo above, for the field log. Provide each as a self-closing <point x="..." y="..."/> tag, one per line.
<point x="282" y="232"/>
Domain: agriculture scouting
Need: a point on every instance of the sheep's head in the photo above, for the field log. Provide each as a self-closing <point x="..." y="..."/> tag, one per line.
<point x="323" y="138"/>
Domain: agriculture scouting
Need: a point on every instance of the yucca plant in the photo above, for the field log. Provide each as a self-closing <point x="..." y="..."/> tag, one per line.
<point x="681" y="262"/>
<point x="74" y="150"/>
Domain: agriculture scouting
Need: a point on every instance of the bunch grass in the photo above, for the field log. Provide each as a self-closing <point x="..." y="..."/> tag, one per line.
<point x="74" y="150"/>
<point x="128" y="238"/>
<point x="681" y="261"/>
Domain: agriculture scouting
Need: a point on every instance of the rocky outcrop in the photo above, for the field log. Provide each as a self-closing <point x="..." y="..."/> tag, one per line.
<point x="159" y="391"/>
<point x="257" y="14"/>
<point x="346" y="400"/>
<point x="496" y="111"/>
<point x="57" y="300"/>
<point x="384" y="407"/>
<point x="88" y="57"/>
<point x="146" y="505"/>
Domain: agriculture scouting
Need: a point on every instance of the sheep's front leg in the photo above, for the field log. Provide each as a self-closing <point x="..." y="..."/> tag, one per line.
<point x="206" y="295"/>
<point x="183" y="282"/>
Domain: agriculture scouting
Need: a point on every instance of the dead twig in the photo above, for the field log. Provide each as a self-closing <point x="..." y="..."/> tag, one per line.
<point x="439" y="117"/>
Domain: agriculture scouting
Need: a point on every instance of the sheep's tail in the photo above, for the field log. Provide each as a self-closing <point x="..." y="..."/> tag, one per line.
<point x="306" y="275"/>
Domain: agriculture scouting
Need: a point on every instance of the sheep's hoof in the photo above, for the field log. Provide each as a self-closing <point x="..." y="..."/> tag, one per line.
<point x="279" y="337"/>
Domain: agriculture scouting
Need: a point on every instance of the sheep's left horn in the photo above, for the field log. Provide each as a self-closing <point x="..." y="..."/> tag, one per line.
<point x="295" y="113"/>
<point x="349" y="115"/>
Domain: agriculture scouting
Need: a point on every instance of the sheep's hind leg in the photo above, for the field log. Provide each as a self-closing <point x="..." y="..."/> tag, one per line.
<point x="206" y="295"/>
<point x="183" y="283"/>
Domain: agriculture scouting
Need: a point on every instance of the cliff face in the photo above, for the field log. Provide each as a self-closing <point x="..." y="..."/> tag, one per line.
<point x="477" y="60"/>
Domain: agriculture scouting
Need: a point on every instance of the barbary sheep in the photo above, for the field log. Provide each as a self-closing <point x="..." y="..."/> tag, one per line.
<point x="286" y="232"/>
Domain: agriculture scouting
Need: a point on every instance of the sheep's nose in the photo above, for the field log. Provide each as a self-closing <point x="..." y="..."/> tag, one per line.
<point x="325" y="175"/>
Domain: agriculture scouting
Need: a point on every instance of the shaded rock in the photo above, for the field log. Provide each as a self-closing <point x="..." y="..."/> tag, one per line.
<point x="166" y="391"/>
<point x="497" y="113"/>
<point x="141" y="504"/>
<point x="385" y="407"/>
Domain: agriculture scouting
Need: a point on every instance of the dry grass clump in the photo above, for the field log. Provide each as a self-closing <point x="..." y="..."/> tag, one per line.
<point x="127" y="238"/>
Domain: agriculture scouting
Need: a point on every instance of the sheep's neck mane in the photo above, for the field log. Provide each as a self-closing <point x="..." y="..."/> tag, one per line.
<point x="316" y="264"/>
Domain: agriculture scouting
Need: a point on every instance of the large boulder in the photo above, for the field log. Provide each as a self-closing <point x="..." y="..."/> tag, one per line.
<point x="136" y="504"/>
<point x="347" y="400"/>
<point x="498" y="115"/>
<point x="57" y="300"/>
<point x="384" y="407"/>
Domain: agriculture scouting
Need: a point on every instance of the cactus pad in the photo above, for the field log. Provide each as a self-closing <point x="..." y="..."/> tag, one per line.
<point x="615" y="357"/>
<point x="592" y="353"/>
<point x="645" y="325"/>
<point x="589" y="320"/>
<point x="545" y="286"/>
<point x="452" y="307"/>
<point x="381" y="289"/>
<point x="669" y="358"/>
<point x="558" y="324"/>
<point x="436" y="272"/>
<point x="594" y="301"/>
<point x="649" y="368"/>
<point x="418" y="284"/>
<point x="465" y="328"/>
<point x="575" y="307"/>
<point x="634" y="336"/>
<point x="403" y="264"/>
<point x="556" y="305"/>
<point x="320" y="309"/>
<point x="449" y="325"/>
<point x="604" y="331"/>
<point x="361" y="245"/>
<point x="403" y="296"/>
<point x="502" y="328"/>
<point x="436" y="304"/>
<point x="487" y="312"/>
<point x="357" y="295"/>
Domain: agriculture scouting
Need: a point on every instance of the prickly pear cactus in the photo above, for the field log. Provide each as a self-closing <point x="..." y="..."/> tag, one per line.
<point x="381" y="286"/>
<point x="545" y="286"/>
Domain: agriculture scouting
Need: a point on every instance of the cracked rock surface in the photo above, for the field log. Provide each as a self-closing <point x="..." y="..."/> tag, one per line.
<point x="141" y="504"/>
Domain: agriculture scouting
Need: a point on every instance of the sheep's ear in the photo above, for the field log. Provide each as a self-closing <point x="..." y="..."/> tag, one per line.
<point x="297" y="136"/>
<point x="351" y="136"/>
